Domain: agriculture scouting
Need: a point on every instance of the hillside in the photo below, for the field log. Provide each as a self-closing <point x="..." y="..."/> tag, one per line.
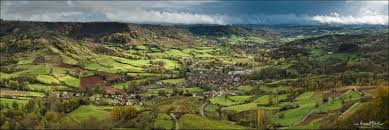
<point x="123" y="75"/>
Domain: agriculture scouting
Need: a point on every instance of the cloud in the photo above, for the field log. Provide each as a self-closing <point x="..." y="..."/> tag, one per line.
<point x="144" y="16"/>
<point x="358" y="12"/>
<point x="194" y="12"/>
<point x="121" y="11"/>
<point x="364" y="19"/>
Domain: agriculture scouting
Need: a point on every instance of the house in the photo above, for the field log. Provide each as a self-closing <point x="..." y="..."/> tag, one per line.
<point x="129" y="103"/>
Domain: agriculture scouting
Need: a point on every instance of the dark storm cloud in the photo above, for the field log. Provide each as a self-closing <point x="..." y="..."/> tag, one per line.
<point x="204" y="12"/>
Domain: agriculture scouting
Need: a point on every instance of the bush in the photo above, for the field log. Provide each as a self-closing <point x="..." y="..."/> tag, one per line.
<point x="123" y="113"/>
<point x="325" y="99"/>
<point x="289" y="106"/>
<point x="282" y="115"/>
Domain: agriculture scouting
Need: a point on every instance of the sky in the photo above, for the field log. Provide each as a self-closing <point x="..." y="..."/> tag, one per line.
<point x="201" y="12"/>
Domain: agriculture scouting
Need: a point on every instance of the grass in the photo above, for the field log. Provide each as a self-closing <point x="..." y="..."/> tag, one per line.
<point x="337" y="102"/>
<point x="222" y="101"/>
<point x="157" y="55"/>
<point x="59" y="72"/>
<point x="274" y="89"/>
<point x="68" y="60"/>
<point x="47" y="88"/>
<point x="245" y="88"/>
<point x="293" y="115"/>
<point x="170" y="64"/>
<point x="86" y="111"/>
<point x="193" y="90"/>
<point x="163" y="121"/>
<point x="108" y="64"/>
<point x="156" y="90"/>
<point x="170" y="90"/>
<point x="15" y="93"/>
<point x="350" y="95"/>
<point x="21" y="102"/>
<point x="192" y="121"/>
<point x="121" y="86"/>
<point x="47" y="79"/>
<point x="211" y="108"/>
<point x="240" y="108"/>
<point x="141" y="47"/>
<point x="239" y="39"/>
<point x="142" y="75"/>
<point x="178" y="104"/>
<point x="70" y="81"/>
<point x="177" y="53"/>
<point x="240" y="99"/>
<point x="307" y="102"/>
<point x="263" y="100"/>
<point x="314" y="124"/>
<point x="351" y="110"/>
<point x="173" y="81"/>
<point x="136" y="63"/>
<point x="323" y="55"/>
<point x="28" y="70"/>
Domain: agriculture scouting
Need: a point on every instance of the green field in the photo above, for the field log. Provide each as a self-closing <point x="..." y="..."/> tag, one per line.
<point x="222" y="101"/>
<point x="47" y="79"/>
<point x="21" y="102"/>
<point x="163" y="121"/>
<point x="70" y="81"/>
<point x="263" y="100"/>
<point x="245" y="88"/>
<point x="191" y="121"/>
<point x="47" y="88"/>
<point x="86" y="111"/>
<point x="306" y="101"/>
<point x="337" y="103"/>
<point x="240" y="99"/>
<point x="240" y="108"/>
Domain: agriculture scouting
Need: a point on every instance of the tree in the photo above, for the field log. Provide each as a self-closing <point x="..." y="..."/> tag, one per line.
<point x="52" y="101"/>
<point x="261" y="119"/>
<point x="2" y="119"/>
<point x="123" y="113"/>
<point x="30" y="106"/>
<point x="53" y="119"/>
<point x="13" y="84"/>
<point x="6" y="126"/>
<point x="270" y="100"/>
<point x="15" y="105"/>
<point x="175" y="91"/>
<point x="69" y="124"/>
<point x="91" y="123"/>
<point x="24" y="85"/>
<point x="161" y="92"/>
<point x="30" y="121"/>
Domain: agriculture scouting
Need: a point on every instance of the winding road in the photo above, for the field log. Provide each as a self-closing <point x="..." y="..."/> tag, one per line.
<point x="302" y="120"/>
<point x="202" y="108"/>
<point x="175" y="120"/>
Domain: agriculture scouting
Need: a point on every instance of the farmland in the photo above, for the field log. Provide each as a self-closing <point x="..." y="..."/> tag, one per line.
<point x="119" y="76"/>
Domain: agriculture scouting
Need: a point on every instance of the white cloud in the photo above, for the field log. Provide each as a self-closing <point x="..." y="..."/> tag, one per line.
<point x="366" y="19"/>
<point x="143" y="16"/>
<point x="123" y="11"/>
<point x="363" y="12"/>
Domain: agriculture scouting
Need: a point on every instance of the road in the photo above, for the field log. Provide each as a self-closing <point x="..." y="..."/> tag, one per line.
<point x="302" y="120"/>
<point x="202" y="108"/>
<point x="175" y="120"/>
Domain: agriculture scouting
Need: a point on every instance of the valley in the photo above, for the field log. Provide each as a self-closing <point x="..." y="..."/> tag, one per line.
<point x="104" y="75"/>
